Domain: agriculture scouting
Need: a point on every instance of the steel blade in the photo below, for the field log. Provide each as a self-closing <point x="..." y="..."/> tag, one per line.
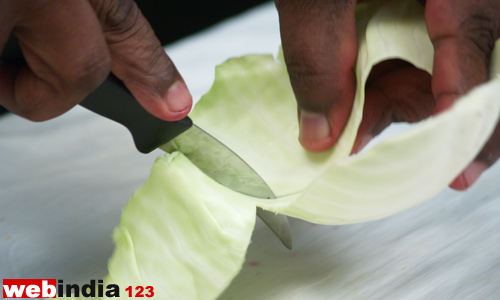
<point x="227" y="168"/>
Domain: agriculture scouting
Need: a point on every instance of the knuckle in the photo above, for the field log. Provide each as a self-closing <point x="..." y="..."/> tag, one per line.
<point x="308" y="62"/>
<point x="117" y="15"/>
<point x="307" y="77"/>
<point x="481" y="30"/>
<point x="87" y="72"/>
<point x="37" y="108"/>
<point x="301" y="70"/>
<point x="313" y="80"/>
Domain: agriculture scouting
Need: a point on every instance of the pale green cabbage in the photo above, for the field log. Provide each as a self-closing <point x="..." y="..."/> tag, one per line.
<point x="187" y="236"/>
<point x="332" y="188"/>
<point x="181" y="234"/>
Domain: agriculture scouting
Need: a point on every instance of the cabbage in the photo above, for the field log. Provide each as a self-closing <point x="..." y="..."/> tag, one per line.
<point x="332" y="188"/>
<point x="186" y="235"/>
<point x="180" y="233"/>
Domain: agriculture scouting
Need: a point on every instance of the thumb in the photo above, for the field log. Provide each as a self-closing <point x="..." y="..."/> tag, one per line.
<point x="320" y="46"/>
<point x="139" y="60"/>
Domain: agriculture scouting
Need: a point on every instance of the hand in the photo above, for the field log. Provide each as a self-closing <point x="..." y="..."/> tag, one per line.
<point x="320" y="45"/>
<point x="70" y="48"/>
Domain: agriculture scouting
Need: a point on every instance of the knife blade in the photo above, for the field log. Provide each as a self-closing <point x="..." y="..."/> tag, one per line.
<point x="113" y="101"/>
<point x="228" y="169"/>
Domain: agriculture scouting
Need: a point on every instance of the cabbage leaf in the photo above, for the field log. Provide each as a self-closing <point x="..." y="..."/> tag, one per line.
<point x="251" y="109"/>
<point x="180" y="233"/>
<point x="187" y="236"/>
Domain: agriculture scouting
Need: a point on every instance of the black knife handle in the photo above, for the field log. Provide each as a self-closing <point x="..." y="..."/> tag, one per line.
<point x="114" y="101"/>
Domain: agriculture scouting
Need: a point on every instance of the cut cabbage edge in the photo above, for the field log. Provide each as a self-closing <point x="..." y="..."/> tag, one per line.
<point x="187" y="236"/>
<point x="332" y="188"/>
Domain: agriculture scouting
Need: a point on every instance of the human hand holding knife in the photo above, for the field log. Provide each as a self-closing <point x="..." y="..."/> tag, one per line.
<point x="113" y="100"/>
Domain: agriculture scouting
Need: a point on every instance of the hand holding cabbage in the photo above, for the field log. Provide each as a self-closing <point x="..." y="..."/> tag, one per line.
<point x="320" y="41"/>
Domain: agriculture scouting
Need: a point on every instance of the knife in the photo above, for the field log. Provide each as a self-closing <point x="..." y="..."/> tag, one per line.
<point x="113" y="101"/>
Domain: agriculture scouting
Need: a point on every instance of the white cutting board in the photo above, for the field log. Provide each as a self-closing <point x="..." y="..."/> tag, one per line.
<point x="64" y="182"/>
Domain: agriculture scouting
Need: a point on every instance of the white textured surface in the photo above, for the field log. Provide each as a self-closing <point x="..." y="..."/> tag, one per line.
<point x="64" y="182"/>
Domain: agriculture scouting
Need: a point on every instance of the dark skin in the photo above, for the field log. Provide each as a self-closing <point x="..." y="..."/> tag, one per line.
<point x="71" y="46"/>
<point x="319" y="44"/>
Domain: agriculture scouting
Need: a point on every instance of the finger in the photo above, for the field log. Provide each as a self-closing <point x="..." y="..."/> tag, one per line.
<point x="66" y="55"/>
<point x="463" y="34"/>
<point x="396" y="91"/>
<point x="320" y="46"/>
<point x="485" y="159"/>
<point x="139" y="60"/>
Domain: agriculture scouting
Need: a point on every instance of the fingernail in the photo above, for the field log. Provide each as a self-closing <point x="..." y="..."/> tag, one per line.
<point x="178" y="97"/>
<point x="363" y="142"/>
<point x="313" y="126"/>
<point x="473" y="171"/>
